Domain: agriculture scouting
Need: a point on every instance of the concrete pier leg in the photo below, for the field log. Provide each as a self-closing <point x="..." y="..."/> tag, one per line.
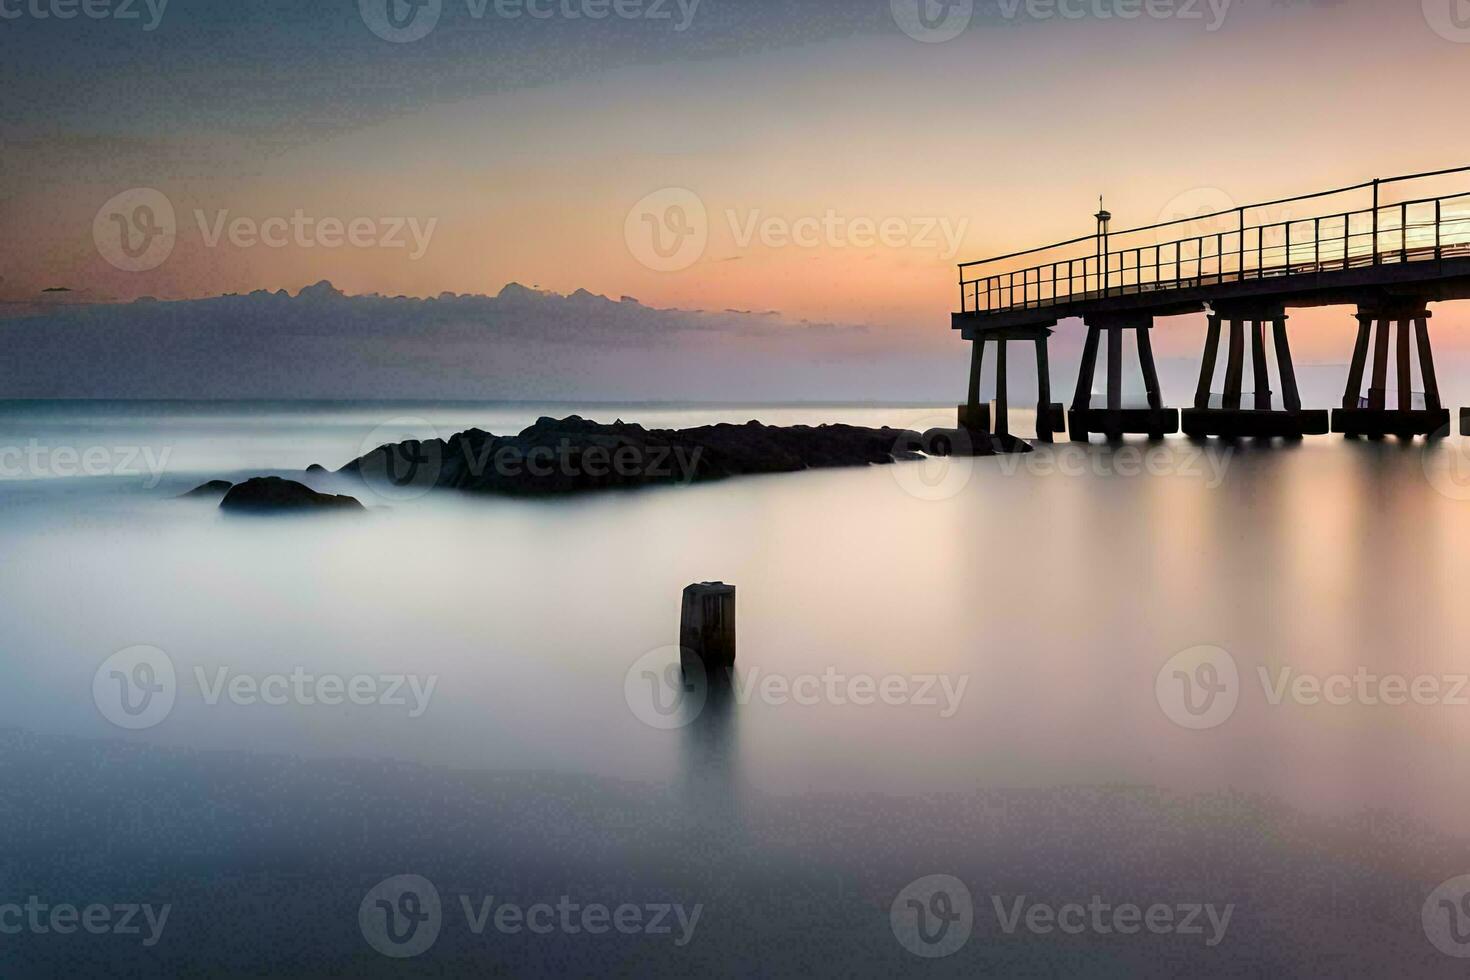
<point x="1405" y="364"/>
<point x="1260" y="372"/>
<point x="707" y="631"/>
<point x="1043" y="388"/>
<point x="1002" y="393"/>
<point x="1150" y="374"/>
<point x="1426" y="365"/>
<point x="1378" y="393"/>
<point x="1354" y="390"/>
<point x="1235" y="365"/>
<point x="1115" y="384"/>
<point x="977" y="362"/>
<point x="1086" y="374"/>
<point x="1207" y="366"/>
<point x="1284" y="367"/>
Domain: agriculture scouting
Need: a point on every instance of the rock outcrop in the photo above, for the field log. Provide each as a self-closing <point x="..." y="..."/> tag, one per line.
<point x="574" y="455"/>
<point x="214" y="488"/>
<point x="273" y="495"/>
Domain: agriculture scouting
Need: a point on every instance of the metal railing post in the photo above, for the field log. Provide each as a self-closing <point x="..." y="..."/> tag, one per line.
<point x="1375" y="222"/>
<point x="1438" y="229"/>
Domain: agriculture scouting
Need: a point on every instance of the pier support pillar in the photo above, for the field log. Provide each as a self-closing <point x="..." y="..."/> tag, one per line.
<point x="707" y="630"/>
<point x="1397" y="327"/>
<point x="1226" y="414"/>
<point x="976" y="418"/>
<point x="1113" y="418"/>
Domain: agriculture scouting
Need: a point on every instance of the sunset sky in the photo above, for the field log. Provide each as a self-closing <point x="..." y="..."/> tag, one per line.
<point x="523" y="145"/>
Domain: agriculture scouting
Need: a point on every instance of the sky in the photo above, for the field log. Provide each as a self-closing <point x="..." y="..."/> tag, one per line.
<point x="822" y="162"/>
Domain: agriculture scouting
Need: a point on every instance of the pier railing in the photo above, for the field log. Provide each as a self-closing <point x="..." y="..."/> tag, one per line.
<point x="1182" y="256"/>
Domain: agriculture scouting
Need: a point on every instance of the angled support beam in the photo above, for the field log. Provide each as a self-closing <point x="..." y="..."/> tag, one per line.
<point x="1087" y="372"/>
<point x="1354" y="390"/>
<point x="1289" y="394"/>
<point x="977" y="362"/>
<point x="1150" y="372"/>
<point x="1378" y="392"/>
<point x="1426" y="365"/>
<point x="1207" y="366"/>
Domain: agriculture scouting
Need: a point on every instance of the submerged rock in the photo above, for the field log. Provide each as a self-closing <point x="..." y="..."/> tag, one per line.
<point x="271" y="494"/>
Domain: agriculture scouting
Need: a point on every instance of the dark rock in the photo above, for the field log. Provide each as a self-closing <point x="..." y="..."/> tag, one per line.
<point x="214" y="488"/>
<point x="316" y="468"/>
<point x="574" y="454"/>
<point x="271" y="494"/>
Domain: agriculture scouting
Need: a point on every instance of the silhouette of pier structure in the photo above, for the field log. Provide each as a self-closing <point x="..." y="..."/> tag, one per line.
<point x="1349" y="247"/>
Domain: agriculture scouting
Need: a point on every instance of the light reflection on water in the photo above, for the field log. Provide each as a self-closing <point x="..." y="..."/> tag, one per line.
<point x="1056" y="598"/>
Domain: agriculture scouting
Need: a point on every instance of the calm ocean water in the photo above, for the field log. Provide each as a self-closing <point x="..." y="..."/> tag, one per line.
<point x="1175" y="677"/>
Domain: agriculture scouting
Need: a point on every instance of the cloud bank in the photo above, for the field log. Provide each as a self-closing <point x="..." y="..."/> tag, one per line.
<point x="521" y="344"/>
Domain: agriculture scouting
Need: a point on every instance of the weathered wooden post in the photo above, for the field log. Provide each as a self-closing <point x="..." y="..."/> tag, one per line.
<point x="707" y="630"/>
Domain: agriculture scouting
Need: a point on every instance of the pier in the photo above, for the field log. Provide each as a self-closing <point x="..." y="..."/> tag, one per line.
<point x="1390" y="261"/>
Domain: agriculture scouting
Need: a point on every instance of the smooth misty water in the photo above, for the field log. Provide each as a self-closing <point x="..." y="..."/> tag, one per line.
<point x="1053" y="589"/>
